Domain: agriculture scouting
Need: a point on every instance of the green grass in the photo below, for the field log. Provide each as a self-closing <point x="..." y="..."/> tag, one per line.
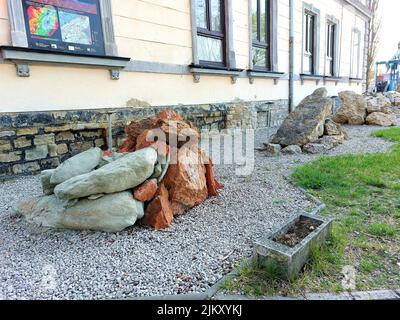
<point x="362" y="194"/>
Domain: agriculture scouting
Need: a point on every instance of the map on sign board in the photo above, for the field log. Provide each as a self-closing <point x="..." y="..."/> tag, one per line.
<point x="72" y="26"/>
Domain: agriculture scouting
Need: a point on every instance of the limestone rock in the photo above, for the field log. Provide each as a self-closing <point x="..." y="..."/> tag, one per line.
<point x="332" y="128"/>
<point x="393" y="97"/>
<point x="80" y="164"/>
<point x="331" y="142"/>
<point x="47" y="186"/>
<point x="125" y="173"/>
<point x="306" y="123"/>
<point x="353" y="110"/>
<point x="111" y="213"/>
<point x="292" y="150"/>
<point x="381" y="119"/>
<point x="315" y="148"/>
<point x="159" y="213"/>
<point x="146" y="191"/>
<point x="273" y="150"/>
<point x="186" y="180"/>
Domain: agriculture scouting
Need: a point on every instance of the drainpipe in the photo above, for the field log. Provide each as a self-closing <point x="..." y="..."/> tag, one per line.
<point x="291" y="55"/>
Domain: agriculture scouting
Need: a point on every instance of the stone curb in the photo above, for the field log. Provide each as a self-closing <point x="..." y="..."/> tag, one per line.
<point x="348" y="296"/>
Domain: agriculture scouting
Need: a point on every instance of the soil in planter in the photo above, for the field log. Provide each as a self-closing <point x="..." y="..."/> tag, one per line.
<point x="302" y="228"/>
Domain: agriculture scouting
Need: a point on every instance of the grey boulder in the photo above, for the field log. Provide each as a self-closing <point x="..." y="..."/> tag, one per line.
<point x="292" y="150"/>
<point x="47" y="186"/>
<point x="122" y="174"/>
<point x="77" y="165"/>
<point x="111" y="213"/>
<point x="315" y="148"/>
<point x="272" y="150"/>
<point x="306" y="124"/>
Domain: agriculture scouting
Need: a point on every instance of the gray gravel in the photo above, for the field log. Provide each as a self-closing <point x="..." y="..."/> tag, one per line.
<point x="189" y="257"/>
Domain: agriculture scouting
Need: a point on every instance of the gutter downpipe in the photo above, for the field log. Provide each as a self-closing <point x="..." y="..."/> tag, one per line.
<point x="291" y="56"/>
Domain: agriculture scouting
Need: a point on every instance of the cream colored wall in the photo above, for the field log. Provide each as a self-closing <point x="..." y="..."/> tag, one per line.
<point x="160" y="31"/>
<point x="348" y="18"/>
<point x="4" y="25"/>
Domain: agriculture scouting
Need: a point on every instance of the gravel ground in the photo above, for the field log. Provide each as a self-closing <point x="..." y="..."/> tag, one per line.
<point x="189" y="257"/>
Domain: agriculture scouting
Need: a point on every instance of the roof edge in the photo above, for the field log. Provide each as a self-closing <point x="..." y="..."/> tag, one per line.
<point x="361" y="8"/>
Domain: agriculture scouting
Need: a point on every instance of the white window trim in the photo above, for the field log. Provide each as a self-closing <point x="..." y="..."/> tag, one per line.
<point x="317" y="13"/>
<point x="352" y="66"/>
<point x="337" y="44"/>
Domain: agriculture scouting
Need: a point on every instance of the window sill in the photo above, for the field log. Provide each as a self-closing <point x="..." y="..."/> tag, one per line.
<point x="264" y="74"/>
<point x="23" y="57"/>
<point x="356" y="80"/>
<point x="333" y="79"/>
<point x="198" y="71"/>
<point x="311" y="77"/>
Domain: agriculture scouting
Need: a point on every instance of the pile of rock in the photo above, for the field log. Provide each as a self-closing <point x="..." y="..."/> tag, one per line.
<point x="371" y="110"/>
<point x="308" y="129"/>
<point x="159" y="173"/>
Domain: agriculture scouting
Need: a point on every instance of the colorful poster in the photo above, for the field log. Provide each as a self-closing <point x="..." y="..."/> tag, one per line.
<point x="43" y="21"/>
<point x="71" y="26"/>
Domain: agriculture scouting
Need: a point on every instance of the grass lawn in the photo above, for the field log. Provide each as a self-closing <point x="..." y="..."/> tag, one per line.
<point x="362" y="194"/>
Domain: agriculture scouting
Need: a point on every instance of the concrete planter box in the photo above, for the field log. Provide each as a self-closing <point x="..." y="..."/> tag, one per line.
<point x="287" y="262"/>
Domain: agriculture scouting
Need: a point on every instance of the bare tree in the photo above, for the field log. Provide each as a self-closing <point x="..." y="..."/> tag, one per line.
<point x="374" y="37"/>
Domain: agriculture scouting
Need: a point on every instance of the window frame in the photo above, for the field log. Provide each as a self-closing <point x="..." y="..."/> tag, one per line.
<point x="332" y="62"/>
<point x="209" y="33"/>
<point x="257" y="43"/>
<point x="310" y="10"/>
<point x="230" y="56"/>
<point x="309" y="42"/>
<point x="273" y="39"/>
<point x="355" y="32"/>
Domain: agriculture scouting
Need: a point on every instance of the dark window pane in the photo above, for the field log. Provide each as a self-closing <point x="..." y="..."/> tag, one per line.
<point x="259" y="57"/>
<point x="216" y="15"/>
<point x="210" y="49"/>
<point x="263" y="21"/>
<point x="254" y="18"/>
<point x="201" y="15"/>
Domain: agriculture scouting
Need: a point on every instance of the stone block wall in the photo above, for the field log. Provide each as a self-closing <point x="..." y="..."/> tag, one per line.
<point x="34" y="141"/>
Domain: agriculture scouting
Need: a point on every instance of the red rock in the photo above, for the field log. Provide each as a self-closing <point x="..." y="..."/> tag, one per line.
<point x="129" y="145"/>
<point x="146" y="191"/>
<point x="134" y="130"/>
<point x="179" y="133"/>
<point x="169" y="115"/>
<point x="144" y="140"/>
<point x="186" y="180"/>
<point x="161" y="147"/>
<point x="158" y="214"/>
<point x="212" y="184"/>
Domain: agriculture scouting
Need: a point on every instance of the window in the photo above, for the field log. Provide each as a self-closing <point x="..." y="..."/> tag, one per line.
<point x="331" y="49"/>
<point x="309" y="44"/>
<point x="261" y="39"/>
<point x="210" y="19"/>
<point x="356" y="50"/>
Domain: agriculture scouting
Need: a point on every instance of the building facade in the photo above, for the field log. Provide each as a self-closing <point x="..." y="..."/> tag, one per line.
<point x="65" y="65"/>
